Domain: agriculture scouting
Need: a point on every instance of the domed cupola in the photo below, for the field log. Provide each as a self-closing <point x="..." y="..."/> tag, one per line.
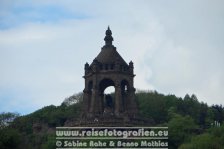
<point x="108" y="59"/>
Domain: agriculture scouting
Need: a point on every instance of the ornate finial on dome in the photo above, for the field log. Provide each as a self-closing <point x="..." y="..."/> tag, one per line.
<point x="108" y="38"/>
<point x="108" y="31"/>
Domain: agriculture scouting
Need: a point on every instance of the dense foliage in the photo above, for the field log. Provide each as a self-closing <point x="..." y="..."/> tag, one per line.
<point x="192" y="124"/>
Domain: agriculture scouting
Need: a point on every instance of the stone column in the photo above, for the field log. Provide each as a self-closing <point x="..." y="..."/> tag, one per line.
<point x="118" y="97"/>
<point x="132" y="106"/>
<point x="93" y="100"/>
<point x="85" y="101"/>
<point x="101" y="102"/>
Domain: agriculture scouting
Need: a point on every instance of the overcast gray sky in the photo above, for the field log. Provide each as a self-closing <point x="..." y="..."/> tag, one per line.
<point x="176" y="47"/>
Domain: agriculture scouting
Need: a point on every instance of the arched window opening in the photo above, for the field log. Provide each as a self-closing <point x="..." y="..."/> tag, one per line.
<point x="107" y="96"/>
<point x="124" y="92"/>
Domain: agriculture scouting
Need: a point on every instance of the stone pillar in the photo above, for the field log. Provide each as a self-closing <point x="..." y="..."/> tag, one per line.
<point x="132" y="106"/>
<point x="85" y="100"/>
<point x="93" y="100"/>
<point x="101" y="103"/>
<point x="118" y="98"/>
<point x="86" y="93"/>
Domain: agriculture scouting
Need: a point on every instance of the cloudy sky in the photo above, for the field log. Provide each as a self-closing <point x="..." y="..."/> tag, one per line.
<point x="176" y="46"/>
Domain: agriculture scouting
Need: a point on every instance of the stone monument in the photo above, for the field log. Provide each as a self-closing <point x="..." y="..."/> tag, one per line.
<point x="109" y="69"/>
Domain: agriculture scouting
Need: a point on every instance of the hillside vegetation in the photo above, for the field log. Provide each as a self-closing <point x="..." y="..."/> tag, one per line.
<point x="192" y="124"/>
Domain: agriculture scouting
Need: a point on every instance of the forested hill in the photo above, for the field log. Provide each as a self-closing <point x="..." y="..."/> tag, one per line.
<point x="192" y="124"/>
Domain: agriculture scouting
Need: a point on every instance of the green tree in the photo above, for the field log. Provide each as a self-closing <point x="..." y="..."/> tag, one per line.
<point x="152" y="105"/>
<point x="9" y="138"/>
<point x="181" y="128"/>
<point x="212" y="139"/>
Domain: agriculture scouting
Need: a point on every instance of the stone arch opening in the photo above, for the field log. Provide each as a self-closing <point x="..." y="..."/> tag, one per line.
<point x="124" y="85"/>
<point x="124" y="93"/>
<point x="107" y="100"/>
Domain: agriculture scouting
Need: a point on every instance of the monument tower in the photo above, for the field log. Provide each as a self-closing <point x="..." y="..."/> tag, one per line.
<point x="109" y="69"/>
